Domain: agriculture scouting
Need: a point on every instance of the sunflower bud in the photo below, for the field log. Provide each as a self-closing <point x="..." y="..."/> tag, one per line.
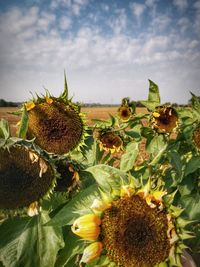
<point x="91" y="252"/>
<point x="87" y="227"/>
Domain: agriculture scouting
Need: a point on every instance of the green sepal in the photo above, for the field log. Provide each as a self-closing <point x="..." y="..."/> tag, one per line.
<point x="64" y="95"/>
<point x="186" y="235"/>
<point x="4" y="129"/>
<point x="23" y="124"/>
<point x="176" y="211"/>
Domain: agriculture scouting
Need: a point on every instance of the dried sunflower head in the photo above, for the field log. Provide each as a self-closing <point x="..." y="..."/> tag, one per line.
<point x="164" y="119"/>
<point x="56" y="123"/>
<point x="69" y="175"/>
<point x="196" y="137"/>
<point x="137" y="229"/>
<point x="126" y="110"/>
<point x="124" y="113"/>
<point x="25" y="176"/>
<point x="110" y="141"/>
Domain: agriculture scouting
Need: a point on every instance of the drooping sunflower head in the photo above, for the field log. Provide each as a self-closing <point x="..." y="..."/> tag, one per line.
<point x="124" y="113"/>
<point x="137" y="229"/>
<point x="25" y="177"/>
<point x="126" y="110"/>
<point x="57" y="127"/>
<point x="69" y="175"/>
<point x="56" y="123"/>
<point x="196" y="137"/>
<point x="164" y="119"/>
<point x="110" y="141"/>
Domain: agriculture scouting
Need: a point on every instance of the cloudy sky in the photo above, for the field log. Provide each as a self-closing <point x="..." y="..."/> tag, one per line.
<point x="109" y="48"/>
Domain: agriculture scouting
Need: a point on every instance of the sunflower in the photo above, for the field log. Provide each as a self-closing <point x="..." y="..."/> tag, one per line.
<point x="69" y="176"/>
<point x="110" y="141"/>
<point x="126" y="109"/>
<point x="25" y="177"/>
<point x="137" y="229"/>
<point x="124" y="113"/>
<point x="196" y="137"/>
<point x="56" y="123"/>
<point x="164" y="119"/>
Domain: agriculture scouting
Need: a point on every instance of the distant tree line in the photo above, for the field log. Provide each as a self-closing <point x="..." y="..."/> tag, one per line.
<point x="4" y="103"/>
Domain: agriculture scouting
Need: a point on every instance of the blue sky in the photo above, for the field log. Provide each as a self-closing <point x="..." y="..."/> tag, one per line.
<point x="109" y="48"/>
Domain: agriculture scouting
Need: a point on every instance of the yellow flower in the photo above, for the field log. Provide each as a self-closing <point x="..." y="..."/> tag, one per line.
<point x="110" y="141"/>
<point x="164" y="119"/>
<point x="87" y="227"/>
<point x="124" y="112"/>
<point x="91" y="252"/>
<point x="30" y="105"/>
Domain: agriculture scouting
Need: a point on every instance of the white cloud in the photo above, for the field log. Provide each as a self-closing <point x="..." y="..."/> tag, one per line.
<point x="181" y="4"/>
<point x="105" y="7"/>
<point x="73" y="6"/>
<point x="137" y="9"/>
<point x="184" y="24"/>
<point x="119" y="22"/>
<point x="65" y="22"/>
<point x="161" y="22"/>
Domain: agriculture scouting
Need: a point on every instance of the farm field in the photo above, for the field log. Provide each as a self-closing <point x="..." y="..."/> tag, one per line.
<point x="90" y="112"/>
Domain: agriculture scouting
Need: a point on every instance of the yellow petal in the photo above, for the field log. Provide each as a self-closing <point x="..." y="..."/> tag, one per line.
<point x="91" y="252"/>
<point x="43" y="167"/>
<point x="29" y="105"/>
<point x="49" y="100"/>
<point x="33" y="209"/>
<point x="156" y="114"/>
<point x="126" y="191"/>
<point x="87" y="227"/>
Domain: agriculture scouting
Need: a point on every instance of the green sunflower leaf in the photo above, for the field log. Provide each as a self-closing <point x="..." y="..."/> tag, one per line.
<point x="156" y="146"/>
<point x="23" y="124"/>
<point x="191" y="204"/>
<point x="78" y="206"/>
<point x="108" y="177"/>
<point x="26" y="242"/>
<point x="154" y="94"/>
<point x="150" y="105"/>
<point x="129" y="157"/>
<point x="195" y="103"/>
<point x="192" y="165"/>
<point x="73" y="246"/>
<point x="153" y="97"/>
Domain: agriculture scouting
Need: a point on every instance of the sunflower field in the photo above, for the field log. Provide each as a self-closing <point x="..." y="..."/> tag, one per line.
<point x="121" y="192"/>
